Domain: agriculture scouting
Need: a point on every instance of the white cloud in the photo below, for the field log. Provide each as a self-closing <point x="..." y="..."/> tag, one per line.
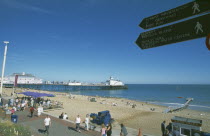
<point x="24" y="6"/>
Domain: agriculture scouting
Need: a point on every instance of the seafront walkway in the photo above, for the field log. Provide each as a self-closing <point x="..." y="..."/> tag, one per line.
<point x="115" y="130"/>
<point x="58" y="128"/>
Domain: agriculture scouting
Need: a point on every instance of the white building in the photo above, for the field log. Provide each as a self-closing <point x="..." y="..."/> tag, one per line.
<point x="23" y="78"/>
<point x="113" y="82"/>
<point x="76" y="83"/>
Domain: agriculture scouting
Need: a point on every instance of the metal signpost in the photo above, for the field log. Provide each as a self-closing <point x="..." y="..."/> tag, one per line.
<point x="3" y="66"/>
<point x="208" y="41"/>
<point x="178" y="13"/>
<point x="191" y="29"/>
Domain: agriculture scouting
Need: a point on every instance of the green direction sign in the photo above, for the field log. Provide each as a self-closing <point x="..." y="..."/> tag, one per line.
<point x="184" y="11"/>
<point x="186" y="30"/>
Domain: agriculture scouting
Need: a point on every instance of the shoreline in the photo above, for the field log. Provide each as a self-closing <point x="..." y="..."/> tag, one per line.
<point x="139" y="117"/>
<point x="201" y="108"/>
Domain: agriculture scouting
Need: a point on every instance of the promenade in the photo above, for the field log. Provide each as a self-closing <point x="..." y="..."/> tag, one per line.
<point x="58" y="128"/>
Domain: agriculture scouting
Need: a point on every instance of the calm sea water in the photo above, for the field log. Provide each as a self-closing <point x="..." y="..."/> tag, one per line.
<point x="158" y="94"/>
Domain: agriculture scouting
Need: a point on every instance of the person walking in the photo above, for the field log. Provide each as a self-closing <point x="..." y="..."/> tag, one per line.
<point x="32" y="111"/>
<point x="163" y="128"/>
<point x="78" y="121"/>
<point x="87" y="120"/>
<point x="109" y="130"/>
<point x="103" y="130"/>
<point x="47" y="124"/>
<point x="123" y="130"/>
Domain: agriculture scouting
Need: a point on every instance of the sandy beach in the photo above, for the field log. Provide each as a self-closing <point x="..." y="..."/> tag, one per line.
<point x="139" y="117"/>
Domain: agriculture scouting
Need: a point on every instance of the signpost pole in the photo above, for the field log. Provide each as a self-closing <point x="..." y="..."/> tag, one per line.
<point x="208" y="41"/>
<point x="3" y="66"/>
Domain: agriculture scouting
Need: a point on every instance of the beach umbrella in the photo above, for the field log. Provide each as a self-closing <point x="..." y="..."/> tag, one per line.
<point x="36" y="94"/>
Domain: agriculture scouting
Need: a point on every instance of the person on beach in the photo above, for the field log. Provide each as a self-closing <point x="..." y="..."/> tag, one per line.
<point x="87" y="120"/>
<point x="61" y="116"/>
<point x="163" y="128"/>
<point x="103" y="130"/>
<point x="109" y="129"/>
<point x="123" y="130"/>
<point x="78" y="121"/>
<point x="47" y="124"/>
<point x="32" y="111"/>
<point x="65" y="116"/>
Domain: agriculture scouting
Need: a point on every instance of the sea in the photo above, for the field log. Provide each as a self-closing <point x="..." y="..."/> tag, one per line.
<point x="160" y="94"/>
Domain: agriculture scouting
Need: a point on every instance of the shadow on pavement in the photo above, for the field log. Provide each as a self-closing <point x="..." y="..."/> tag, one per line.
<point x="71" y="128"/>
<point x="41" y="131"/>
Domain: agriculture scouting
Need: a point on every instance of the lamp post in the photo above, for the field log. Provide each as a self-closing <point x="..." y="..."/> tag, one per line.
<point x="4" y="61"/>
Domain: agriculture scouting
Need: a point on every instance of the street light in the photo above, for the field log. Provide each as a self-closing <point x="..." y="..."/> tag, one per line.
<point x="4" y="61"/>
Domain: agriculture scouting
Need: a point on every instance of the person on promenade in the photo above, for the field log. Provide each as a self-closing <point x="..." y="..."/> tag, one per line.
<point x="109" y="130"/>
<point x="18" y="107"/>
<point x="0" y="101"/>
<point x="87" y="120"/>
<point x="78" y="121"/>
<point x="103" y="130"/>
<point x="168" y="133"/>
<point x="12" y="111"/>
<point x="169" y="127"/>
<point x="123" y="130"/>
<point x="16" y="101"/>
<point x="163" y="128"/>
<point x="47" y="124"/>
<point x="32" y="111"/>
<point x="22" y="107"/>
<point x="14" y="108"/>
<point x="32" y="102"/>
<point x="140" y="133"/>
<point x="39" y="110"/>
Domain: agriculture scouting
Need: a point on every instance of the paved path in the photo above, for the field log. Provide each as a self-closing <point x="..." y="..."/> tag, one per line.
<point x="59" y="127"/>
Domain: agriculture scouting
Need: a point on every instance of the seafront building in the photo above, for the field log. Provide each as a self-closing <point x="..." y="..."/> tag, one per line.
<point x="23" y="78"/>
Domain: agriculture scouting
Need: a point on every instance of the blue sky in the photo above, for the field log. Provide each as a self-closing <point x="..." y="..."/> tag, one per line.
<point x="90" y="40"/>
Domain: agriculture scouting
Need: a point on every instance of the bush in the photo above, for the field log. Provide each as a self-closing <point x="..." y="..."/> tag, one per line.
<point x="7" y="128"/>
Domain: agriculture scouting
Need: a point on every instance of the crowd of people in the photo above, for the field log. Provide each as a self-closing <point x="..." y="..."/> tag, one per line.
<point x="13" y="105"/>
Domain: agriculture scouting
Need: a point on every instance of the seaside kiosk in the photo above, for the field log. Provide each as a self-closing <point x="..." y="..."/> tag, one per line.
<point x="186" y="126"/>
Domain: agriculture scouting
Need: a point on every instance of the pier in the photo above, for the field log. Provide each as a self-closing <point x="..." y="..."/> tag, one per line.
<point x="63" y="87"/>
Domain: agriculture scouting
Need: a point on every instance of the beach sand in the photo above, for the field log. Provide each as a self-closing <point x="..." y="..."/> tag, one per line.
<point x="139" y="117"/>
